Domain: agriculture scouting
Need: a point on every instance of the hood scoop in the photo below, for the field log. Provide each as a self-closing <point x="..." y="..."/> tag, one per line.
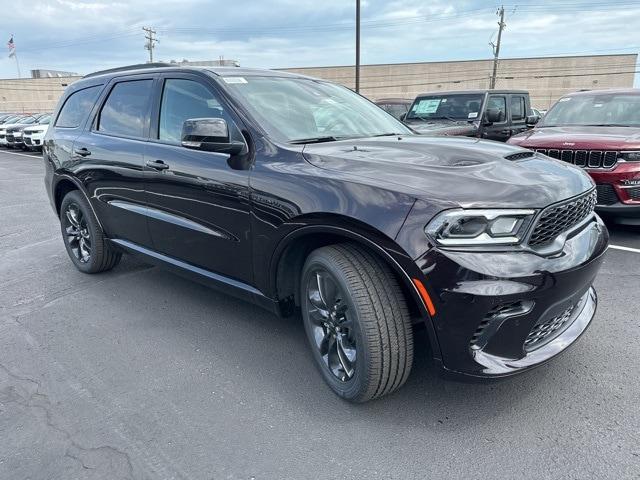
<point x="519" y="155"/>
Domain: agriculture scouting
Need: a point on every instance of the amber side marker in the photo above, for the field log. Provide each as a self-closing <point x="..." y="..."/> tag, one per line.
<point x="425" y="296"/>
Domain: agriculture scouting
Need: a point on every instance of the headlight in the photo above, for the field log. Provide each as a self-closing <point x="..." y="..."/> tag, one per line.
<point x="629" y="156"/>
<point x="456" y="228"/>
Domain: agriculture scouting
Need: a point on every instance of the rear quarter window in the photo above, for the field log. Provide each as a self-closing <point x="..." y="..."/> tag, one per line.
<point x="77" y="106"/>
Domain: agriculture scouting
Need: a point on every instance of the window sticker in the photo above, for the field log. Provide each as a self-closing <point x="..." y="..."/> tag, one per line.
<point x="234" y="80"/>
<point x="427" y="106"/>
<point x="472" y="115"/>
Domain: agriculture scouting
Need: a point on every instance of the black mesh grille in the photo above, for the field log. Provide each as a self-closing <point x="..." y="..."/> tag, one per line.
<point x="609" y="159"/>
<point x="583" y="158"/>
<point x="634" y="193"/>
<point x="595" y="159"/>
<point x="545" y="331"/>
<point x="606" y="194"/>
<point x="580" y="158"/>
<point x="557" y="219"/>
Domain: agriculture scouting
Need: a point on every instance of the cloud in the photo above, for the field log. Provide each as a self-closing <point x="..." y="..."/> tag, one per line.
<point x="91" y="35"/>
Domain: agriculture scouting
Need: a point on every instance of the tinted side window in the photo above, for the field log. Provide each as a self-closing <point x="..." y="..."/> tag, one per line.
<point x="77" y="107"/>
<point x="498" y="103"/>
<point x="517" y="108"/>
<point x="185" y="99"/>
<point x="126" y="110"/>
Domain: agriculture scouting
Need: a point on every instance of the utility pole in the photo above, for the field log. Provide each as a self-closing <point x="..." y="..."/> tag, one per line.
<point x="151" y="41"/>
<point x="357" y="46"/>
<point x="496" y="47"/>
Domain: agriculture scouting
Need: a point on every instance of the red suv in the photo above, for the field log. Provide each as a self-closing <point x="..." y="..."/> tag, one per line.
<point x="600" y="132"/>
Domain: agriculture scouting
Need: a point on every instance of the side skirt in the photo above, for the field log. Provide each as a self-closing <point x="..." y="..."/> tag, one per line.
<point x="216" y="281"/>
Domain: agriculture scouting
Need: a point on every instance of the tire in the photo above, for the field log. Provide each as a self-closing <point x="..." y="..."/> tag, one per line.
<point x="365" y="313"/>
<point x="82" y="234"/>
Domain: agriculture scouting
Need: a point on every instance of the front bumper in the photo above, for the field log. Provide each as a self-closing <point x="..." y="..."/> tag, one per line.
<point x="492" y="306"/>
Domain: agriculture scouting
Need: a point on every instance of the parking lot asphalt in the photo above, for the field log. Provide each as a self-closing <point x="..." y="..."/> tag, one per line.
<point x="137" y="373"/>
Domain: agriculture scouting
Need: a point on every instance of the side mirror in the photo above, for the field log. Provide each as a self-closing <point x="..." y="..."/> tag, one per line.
<point x="210" y="135"/>
<point x="493" y="115"/>
<point x="531" y="120"/>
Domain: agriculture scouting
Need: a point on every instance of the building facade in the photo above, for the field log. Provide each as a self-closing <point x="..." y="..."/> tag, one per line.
<point x="546" y="78"/>
<point x="29" y="95"/>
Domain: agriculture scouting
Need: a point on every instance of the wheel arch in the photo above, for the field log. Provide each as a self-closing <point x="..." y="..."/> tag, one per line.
<point x="290" y="254"/>
<point x="66" y="184"/>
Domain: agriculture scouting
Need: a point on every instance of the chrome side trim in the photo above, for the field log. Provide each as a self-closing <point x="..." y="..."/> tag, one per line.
<point x="169" y="218"/>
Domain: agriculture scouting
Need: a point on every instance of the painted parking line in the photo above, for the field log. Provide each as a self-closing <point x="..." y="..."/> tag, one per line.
<point x="34" y="155"/>
<point x="625" y="249"/>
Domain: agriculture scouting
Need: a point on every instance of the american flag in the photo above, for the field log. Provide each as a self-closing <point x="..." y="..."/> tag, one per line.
<point x="12" y="47"/>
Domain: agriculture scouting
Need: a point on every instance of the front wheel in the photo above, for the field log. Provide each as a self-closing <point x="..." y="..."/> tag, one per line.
<point x="357" y="322"/>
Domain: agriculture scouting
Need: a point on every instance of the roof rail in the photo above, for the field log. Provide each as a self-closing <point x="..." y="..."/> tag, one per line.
<point x="138" y="66"/>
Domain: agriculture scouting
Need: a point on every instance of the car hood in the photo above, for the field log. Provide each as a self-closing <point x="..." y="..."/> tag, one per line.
<point x="576" y="137"/>
<point x="11" y="125"/>
<point x="36" y="128"/>
<point x="452" y="170"/>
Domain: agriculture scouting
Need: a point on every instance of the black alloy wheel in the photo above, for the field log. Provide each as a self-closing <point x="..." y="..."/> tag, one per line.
<point x="333" y="331"/>
<point x="78" y="237"/>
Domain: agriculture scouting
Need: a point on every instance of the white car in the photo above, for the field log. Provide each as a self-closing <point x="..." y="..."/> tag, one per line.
<point x="17" y="122"/>
<point x="33" y="136"/>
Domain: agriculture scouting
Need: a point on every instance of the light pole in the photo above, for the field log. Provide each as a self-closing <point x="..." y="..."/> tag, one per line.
<point x="357" y="46"/>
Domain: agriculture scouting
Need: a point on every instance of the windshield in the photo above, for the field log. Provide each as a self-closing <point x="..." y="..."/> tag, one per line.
<point x="599" y="110"/>
<point x="395" y="109"/>
<point x="451" y="107"/>
<point x="12" y="119"/>
<point x="26" y="121"/>
<point x="299" y="110"/>
<point x="44" y="120"/>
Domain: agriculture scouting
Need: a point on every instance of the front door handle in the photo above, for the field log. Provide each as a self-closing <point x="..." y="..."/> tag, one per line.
<point x="157" y="164"/>
<point x="83" y="151"/>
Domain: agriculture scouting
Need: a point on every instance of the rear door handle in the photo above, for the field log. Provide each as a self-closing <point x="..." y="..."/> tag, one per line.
<point x="83" y="151"/>
<point x="157" y="164"/>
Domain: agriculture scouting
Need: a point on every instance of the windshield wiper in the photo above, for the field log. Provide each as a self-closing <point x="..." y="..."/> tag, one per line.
<point x="391" y="134"/>
<point x="314" y="140"/>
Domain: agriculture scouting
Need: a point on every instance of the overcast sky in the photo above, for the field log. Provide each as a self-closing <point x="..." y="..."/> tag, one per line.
<point x="92" y="35"/>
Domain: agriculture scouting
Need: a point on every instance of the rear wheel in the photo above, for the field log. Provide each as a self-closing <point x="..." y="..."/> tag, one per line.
<point x="357" y="322"/>
<point x="83" y="237"/>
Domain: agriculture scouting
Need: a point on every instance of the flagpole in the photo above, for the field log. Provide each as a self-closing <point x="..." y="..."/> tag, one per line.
<point x="15" y="55"/>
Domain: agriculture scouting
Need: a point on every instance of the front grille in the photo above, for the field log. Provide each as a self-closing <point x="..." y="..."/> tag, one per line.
<point x="583" y="158"/>
<point x="557" y="219"/>
<point x="10" y="138"/>
<point x="634" y="193"/>
<point x="2" y="136"/>
<point x="545" y="331"/>
<point x="606" y="194"/>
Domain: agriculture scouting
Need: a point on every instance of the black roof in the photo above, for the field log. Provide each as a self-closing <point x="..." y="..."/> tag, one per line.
<point x="218" y="71"/>
<point x="477" y="91"/>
